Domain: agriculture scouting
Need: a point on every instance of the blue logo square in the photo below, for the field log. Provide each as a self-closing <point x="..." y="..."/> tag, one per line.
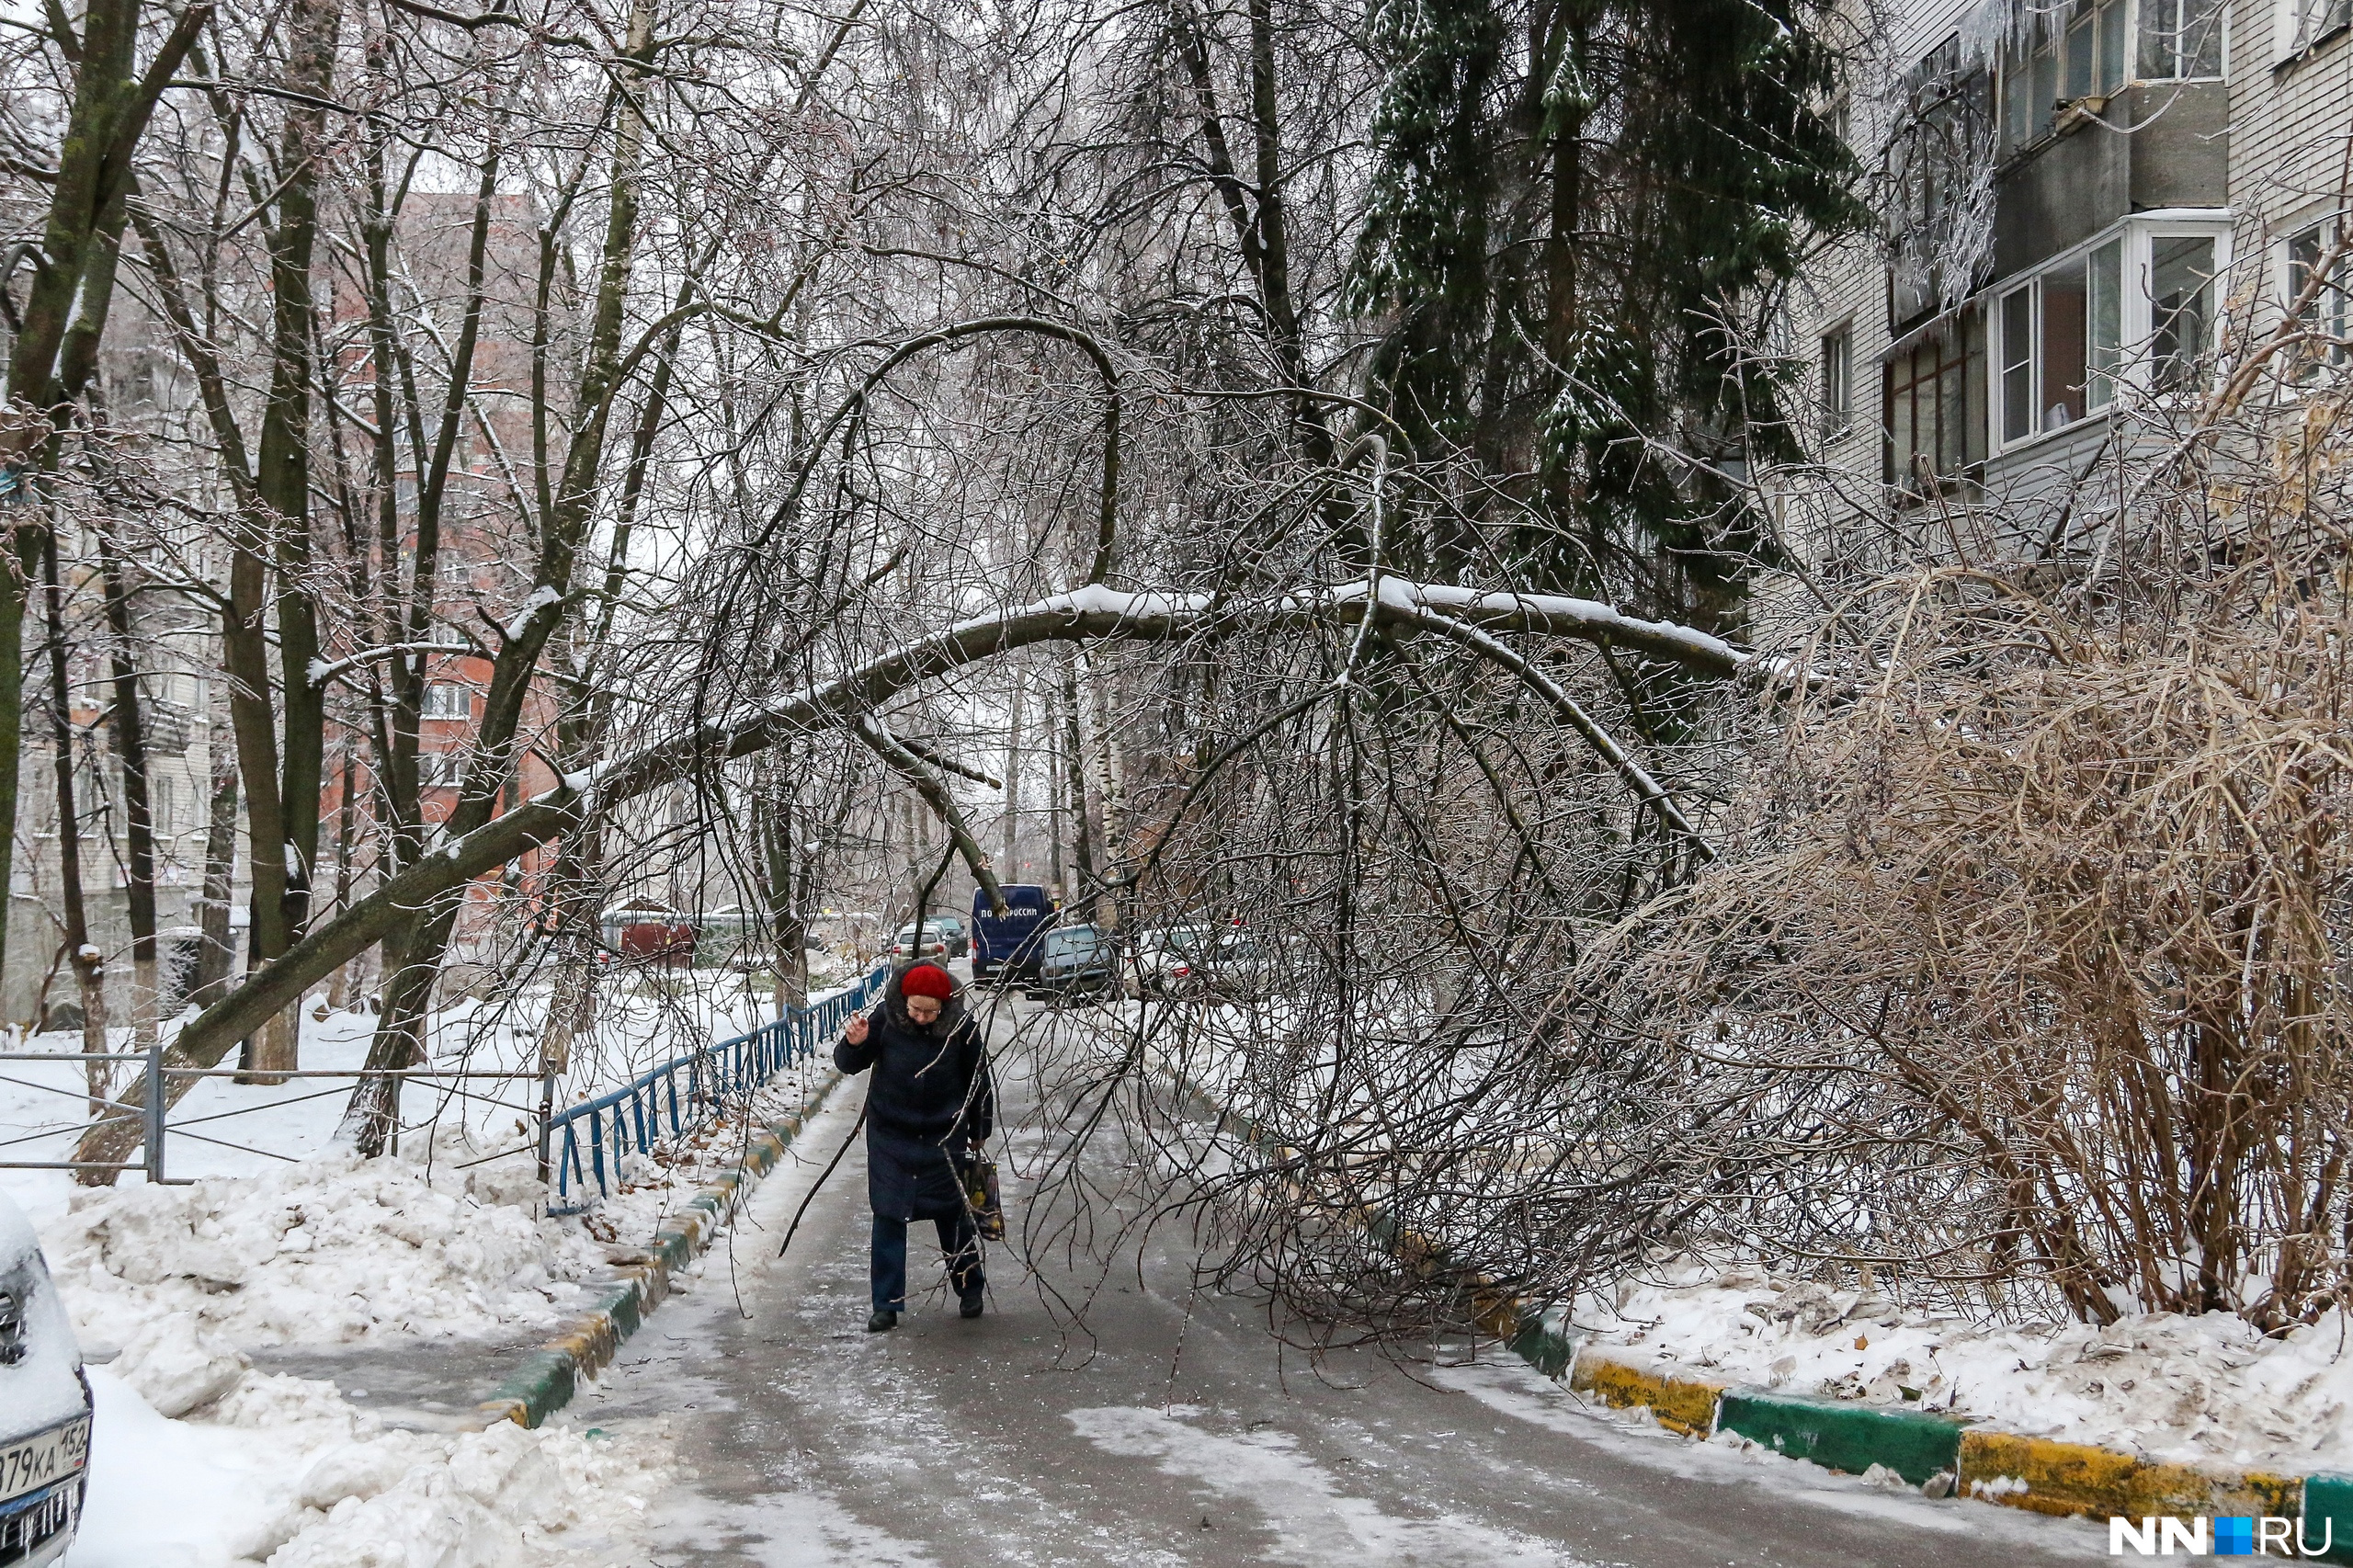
<point x="2234" y="1538"/>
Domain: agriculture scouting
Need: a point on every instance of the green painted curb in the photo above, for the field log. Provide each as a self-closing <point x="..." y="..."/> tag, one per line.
<point x="2330" y="1498"/>
<point x="1850" y="1438"/>
<point x="551" y="1375"/>
<point x="1546" y="1347"/>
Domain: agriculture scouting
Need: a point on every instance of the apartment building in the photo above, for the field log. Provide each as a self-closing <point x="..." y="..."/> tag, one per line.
<point x="2074" y="198"/>
<point x="483" y="570"/>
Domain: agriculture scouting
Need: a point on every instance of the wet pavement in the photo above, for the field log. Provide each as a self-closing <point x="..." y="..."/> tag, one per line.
<point x="1180" y="1431"/>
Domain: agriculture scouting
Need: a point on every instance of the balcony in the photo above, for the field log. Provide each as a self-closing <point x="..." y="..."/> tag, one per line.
<point x="2060" y="189"/>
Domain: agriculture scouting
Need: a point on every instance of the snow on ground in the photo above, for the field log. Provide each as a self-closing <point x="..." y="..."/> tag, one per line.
<point x="286" y="1472"/>
<point x="2182" y="1389"/>
<point x="289" y="1241"/>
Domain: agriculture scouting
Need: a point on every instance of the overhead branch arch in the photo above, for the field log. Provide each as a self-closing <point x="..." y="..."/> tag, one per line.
<point x="1467" y="616"/>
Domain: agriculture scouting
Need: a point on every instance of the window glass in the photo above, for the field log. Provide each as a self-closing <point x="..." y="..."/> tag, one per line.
<point x="2018" y="102"/>
<point x="2081" y="41"/>
<point x="2303" y="23"/>
<point x="2046" y="83"/>
<point x="446" y="700"/>
<point x="2106" y="285"/>
<point x="2018" y="364"/>
<point x="2181" y="272"/>
<point x="2113" y="17"/>
<point x="1903" y="439"/>
<point x="1933" y="423"/>
<point x="2318" y="246"/>
<point x="2062" y="343"/>
<point x="2201" y="36"/>
<point x="1836" y="350"/>
<point x="2182" y="37"/>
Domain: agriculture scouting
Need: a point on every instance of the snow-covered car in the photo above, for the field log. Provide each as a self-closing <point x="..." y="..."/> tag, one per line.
<point x="44" y="1406"/>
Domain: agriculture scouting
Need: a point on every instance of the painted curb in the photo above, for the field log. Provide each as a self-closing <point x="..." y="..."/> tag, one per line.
<point x="2033" y="1474"/>
<point x="1942" y="1455"/>
<point x="551" y="1375"/>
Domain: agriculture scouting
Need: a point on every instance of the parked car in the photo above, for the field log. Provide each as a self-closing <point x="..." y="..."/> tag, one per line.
<point x="44" y="1406"/>
<point x="1237" y="967"/>
<point x="960" y="941"/>
<point x="1007" y="946"/>
<point x="1077" y="961"/>
<point x="1162" y="960"/>
<point x="913" y="944"/>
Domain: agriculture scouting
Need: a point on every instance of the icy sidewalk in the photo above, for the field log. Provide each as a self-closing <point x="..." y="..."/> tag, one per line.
<point x="416" y="1275"/>
<point x="403" y="1264"/>
<point x="2177" y="1388"/>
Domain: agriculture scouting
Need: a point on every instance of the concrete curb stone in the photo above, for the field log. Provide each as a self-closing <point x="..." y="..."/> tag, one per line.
<point x="1944" y="1455"/>
<point x="550" y="1376"/>
<point x="2033" y="1474"/>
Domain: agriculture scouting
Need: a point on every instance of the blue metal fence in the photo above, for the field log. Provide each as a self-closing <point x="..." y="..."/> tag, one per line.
<point x="686" y="1090"/>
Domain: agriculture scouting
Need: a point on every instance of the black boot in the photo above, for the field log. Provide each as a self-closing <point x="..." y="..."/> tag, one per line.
<point x="882" y="1322"/>
<point x="968" y="1306"/>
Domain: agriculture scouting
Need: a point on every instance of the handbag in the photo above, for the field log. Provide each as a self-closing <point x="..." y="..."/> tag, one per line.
<point x="982" y="1197"/>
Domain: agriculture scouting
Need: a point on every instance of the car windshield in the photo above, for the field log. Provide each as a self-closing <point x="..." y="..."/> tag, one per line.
<point x="1077" y="940"/>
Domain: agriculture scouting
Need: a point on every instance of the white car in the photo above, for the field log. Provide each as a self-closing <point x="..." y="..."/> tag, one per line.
<point x="44" y="1406"/>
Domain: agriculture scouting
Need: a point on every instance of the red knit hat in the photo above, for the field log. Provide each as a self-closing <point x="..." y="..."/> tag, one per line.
<point x="926" y="980"/>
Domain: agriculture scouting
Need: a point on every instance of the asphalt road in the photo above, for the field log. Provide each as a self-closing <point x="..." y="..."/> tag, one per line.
<point x="1005" y="1441"/>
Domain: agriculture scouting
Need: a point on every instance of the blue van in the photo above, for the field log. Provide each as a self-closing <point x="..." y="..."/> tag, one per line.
<point x="1010" y="942"/>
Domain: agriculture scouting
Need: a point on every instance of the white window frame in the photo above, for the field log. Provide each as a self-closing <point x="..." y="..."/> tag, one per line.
<point x="2137" y="325"/>
<point x="439" y="705"/>
<point x="2289" y="39"/>
<point x="2043" y="119"/>
<point x="1839" y="386"/>
<point x="2333" y="315"/>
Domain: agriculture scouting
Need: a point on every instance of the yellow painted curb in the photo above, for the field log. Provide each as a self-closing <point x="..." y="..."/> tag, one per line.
<point x="2076" y="1478"/>
<point x="1682" y="1404"/>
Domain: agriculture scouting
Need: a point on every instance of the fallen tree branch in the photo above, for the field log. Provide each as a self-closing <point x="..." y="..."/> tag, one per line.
<point x="1088" y="614"/>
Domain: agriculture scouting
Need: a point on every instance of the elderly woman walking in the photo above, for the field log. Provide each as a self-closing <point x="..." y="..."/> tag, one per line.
<point x="931" y="1105"/>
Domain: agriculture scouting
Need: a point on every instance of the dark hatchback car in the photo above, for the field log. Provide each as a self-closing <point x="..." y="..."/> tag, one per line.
<point x="44" y="1406"/>
<point x="1077" y="961"/>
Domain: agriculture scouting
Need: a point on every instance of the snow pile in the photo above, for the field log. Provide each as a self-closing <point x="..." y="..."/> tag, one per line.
<point x="286" y="1472"/>
<point x="2168" y="1387"/>
<point x="328" y="1250"/>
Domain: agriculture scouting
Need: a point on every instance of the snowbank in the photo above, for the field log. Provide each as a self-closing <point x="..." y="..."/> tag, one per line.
<point x="325" y="1251"/>
<point x="2168" y="1387"/>
<point x="286" y="1472"/>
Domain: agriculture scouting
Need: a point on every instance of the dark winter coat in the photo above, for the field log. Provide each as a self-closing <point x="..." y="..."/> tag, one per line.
<point x="932" y="1098"/>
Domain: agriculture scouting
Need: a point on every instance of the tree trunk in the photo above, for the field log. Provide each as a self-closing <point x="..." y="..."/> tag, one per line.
<point x="282" y="483"/>
<point x="1011" y="858"/>
<point x="1054" y="797"/>
<point x="339" y="986"/>
<point x="573" y="504"/>
<point x="89" y="966"/>
<point x="1110" y="793"/>
<point x="111" y="105"/>
<point x="216" y="954"/>
<point x="1074" y="765"/>
<point x="129" y="727"/>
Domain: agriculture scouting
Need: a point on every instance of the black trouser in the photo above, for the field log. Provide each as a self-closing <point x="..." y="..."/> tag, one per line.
<point x="957" y="1240"/>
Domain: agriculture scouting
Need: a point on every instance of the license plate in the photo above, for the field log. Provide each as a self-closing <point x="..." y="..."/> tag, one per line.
<point x="44" y="1459"/>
